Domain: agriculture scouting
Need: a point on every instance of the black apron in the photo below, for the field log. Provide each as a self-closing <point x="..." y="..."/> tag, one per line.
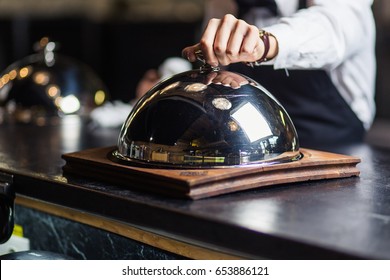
<point x="320" y="114"/>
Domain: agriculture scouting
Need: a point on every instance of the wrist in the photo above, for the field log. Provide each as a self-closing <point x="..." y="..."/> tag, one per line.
<point x="274" y="47"/>
<point x="270" y="48"/>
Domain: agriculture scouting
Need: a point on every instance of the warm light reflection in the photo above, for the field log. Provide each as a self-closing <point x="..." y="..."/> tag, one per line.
<point x="169" y="87"/>
<point x="24" y="72"/>
<point x="233" y="126"/>
<point x="41" y="78"/>
<point x="221" y="103"/>
<point x="5" y="79"/>
<point x="40" y="121"/>
<point x="57" y="101"/>
<point x="252" y="122"/>
<point x="12" y="74"/>
<point x="53" y="91"/>
<point x="195" y="87"/>
<point x="100" y="97"/>
<point x="69" y="104"/>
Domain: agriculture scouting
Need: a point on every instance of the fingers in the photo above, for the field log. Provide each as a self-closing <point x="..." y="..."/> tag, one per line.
<point x="189" y="52"/>
<point x="211" y="77"/>
<point x="252" y="47"/>
<point x="227" y="40"/>
<point x="241" y="40"/>
<point x="229" y="79"/>
<point x="213" y="31"/>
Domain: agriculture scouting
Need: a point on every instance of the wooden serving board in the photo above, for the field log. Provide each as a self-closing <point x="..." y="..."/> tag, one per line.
<point x="201" y="183"/>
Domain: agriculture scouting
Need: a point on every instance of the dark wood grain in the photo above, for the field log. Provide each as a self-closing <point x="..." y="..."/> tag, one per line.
<point x="201" y="183"/>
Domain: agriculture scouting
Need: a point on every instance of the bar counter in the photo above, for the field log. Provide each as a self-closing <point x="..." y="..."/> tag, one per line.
<point x="345" y="218"/>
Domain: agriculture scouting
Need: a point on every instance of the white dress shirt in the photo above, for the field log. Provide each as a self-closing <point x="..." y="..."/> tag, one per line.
<point x="335" y="35"/>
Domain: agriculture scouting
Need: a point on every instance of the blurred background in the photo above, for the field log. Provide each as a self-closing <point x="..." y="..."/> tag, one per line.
<point x="121" y="39"/>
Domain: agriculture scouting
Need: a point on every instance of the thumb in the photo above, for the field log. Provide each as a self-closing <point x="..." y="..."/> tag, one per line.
<point x="189" y="52"/>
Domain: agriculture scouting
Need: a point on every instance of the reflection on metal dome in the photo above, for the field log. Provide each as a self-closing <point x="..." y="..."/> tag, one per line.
<point x="45" y="86"/>
<point x="207" y="118"/>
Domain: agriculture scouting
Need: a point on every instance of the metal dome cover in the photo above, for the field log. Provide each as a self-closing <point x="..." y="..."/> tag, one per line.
<point x="207" y="118"/>
<point x="46" y="85"/>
